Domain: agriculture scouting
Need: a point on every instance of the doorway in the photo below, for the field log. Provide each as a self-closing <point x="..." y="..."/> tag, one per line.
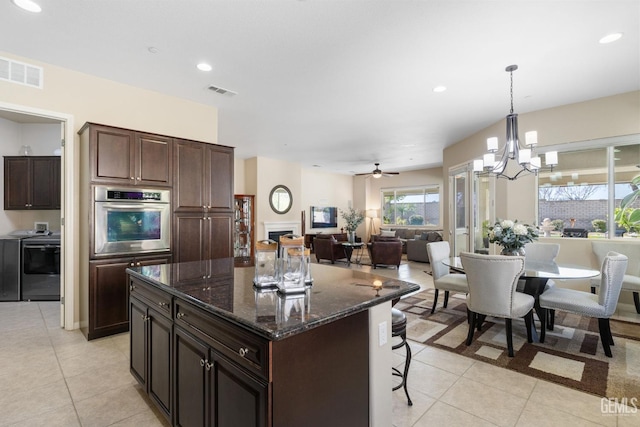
<point x="23" y="114"/>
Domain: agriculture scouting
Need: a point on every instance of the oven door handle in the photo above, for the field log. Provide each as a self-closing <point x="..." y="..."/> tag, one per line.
<point x="42" y="247"/>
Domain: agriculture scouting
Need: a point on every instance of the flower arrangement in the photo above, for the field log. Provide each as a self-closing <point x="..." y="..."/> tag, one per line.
<point x="512" y="236"/>
<point x="353" y="217"/>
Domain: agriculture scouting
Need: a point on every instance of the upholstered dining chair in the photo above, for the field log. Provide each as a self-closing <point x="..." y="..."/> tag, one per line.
<point x="601" y="306"/>
<point x="541" y="252"/>
<point x="492" y="283"/>
<point x="631" y="280"/>
<point x="442" y="279"/>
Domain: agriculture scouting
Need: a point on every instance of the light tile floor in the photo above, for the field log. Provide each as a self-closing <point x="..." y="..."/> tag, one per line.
<point x="52" y="377"/>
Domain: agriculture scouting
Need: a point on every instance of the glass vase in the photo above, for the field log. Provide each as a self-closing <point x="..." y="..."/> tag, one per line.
<point x="513" y="251"/>
<point x="351" y="235"/>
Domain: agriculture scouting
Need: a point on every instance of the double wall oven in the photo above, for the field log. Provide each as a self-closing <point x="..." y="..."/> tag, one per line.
<point x="131" y="221"/>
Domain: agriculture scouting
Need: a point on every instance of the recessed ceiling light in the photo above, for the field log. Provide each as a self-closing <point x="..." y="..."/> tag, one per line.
<point x="439" y="89"/>
<point x="610" y="38"/>
<point x="204" y="67"/>
<point x="407" y="145"/>
<point x="28" y="5"/>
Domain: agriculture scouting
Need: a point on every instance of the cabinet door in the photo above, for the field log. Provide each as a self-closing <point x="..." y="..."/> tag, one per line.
<point x="109" y="293"/>
<point x="189" y="176"/>
<point x="188" y="237"/>
<point x="189" y="376"/>
<point x="108" y="297"/>
<point x="159" y="330"/>
<point x="236" y="398"/>
<point x="154" y="157"/>
<point x="138" y="341"/>
<point x="220" y="184"/>
<point x="112" y="155"/>
<point x="45" y="175"/>
<point x="220" y="235"/>
<point x="16" y="183"/>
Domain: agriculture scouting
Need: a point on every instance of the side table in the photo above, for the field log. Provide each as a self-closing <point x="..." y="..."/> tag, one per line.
<point x="349" y="248"/>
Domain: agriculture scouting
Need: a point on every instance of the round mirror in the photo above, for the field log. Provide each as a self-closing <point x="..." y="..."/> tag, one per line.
<point x="280" y="199"/>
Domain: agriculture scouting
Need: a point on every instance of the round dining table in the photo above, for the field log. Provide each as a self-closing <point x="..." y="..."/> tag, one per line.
<point x="536" y="275"/>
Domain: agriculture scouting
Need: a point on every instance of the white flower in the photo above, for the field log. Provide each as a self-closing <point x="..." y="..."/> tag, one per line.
<point x="520" y="230"/>
<point x="507" y="223"/>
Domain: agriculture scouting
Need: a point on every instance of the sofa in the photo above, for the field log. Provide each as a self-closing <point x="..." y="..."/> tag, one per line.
<point x="329" y="247"/>
<point x="417" y="248"/>
<point x="406" y="234"/>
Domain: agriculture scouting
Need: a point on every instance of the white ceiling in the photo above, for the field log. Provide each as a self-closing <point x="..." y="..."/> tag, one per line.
<point x="343" y="84"/>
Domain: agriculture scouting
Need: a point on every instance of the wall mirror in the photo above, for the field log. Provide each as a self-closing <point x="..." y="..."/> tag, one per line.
<point x="280" y="199"/>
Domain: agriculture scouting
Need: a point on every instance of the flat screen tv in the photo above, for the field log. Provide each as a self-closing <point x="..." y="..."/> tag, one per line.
<point x="324" y="217"/>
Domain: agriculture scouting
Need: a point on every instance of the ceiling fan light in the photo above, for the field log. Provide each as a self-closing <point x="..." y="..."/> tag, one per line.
<point x="377" y="175"/>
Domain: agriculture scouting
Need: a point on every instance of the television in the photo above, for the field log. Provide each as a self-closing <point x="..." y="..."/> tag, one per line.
<point x="322" y="217"/>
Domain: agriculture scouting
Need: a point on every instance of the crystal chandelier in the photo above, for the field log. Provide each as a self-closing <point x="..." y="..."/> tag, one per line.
<point x="512" y="150"/>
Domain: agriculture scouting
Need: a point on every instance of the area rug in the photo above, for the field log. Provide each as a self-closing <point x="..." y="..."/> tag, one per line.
<point x="571" y="355"/>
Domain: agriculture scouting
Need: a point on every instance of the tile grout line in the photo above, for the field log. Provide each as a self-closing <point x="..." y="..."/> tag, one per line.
<point x="64" y="377"/>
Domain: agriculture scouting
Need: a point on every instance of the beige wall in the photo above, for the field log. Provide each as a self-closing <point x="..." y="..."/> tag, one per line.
<point x="599" y="118"/>
<point x="367" y="190"/>
<point x="80" y="98"/>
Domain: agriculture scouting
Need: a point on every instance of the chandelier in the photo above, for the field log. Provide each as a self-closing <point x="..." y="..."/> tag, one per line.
<point x="525" y="155"/>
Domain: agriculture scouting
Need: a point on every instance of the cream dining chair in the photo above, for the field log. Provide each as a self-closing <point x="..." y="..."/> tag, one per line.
<point x="601" y="306"/>
<point x="631" y="280"/>
<point x="442" y="279"/>
<point x="541" y="252"/>
<point x="492" y="283"/>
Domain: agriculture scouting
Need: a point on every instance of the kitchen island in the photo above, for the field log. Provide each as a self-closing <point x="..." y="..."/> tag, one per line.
<point x="211" y="349"/>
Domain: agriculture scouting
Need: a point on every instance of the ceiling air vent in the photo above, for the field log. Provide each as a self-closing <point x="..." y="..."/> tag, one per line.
<point x="222" y="91"/>
<point x="20" y="72"/>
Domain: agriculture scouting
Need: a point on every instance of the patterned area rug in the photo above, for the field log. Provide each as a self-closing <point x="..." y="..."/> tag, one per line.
<point x="571" y="355"/>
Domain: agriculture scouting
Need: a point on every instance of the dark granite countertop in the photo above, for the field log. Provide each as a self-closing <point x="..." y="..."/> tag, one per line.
<point x="228" y="292"/>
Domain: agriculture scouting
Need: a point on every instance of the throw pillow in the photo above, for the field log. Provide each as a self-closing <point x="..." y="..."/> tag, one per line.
<point x="387" y="233"/>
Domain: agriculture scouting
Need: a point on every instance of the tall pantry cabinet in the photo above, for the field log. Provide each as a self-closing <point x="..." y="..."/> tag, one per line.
<point x="200" y="177"/>
<point x="202" y="201"/>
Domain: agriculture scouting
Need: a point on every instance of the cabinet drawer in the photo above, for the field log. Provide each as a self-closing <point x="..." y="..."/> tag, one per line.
<point x="161" y="301"/>
<point x="244" y="348"/>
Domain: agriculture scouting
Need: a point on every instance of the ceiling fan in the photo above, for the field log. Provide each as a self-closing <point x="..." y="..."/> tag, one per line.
<point x="377" y="173"/>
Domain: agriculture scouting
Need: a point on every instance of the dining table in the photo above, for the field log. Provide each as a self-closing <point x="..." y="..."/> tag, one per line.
<point x="536" y="274"/>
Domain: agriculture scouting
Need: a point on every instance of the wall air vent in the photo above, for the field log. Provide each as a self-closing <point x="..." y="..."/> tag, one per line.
<point x="20" y="72"/>
<point x="222" y="91"/>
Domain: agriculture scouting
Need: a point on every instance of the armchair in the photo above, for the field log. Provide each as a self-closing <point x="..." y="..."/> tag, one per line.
<point x="328" y="247"/>
<point x="385" y="251"/>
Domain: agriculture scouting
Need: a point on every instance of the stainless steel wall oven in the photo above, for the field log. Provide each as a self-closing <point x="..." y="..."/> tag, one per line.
<point x="131" y="220"/>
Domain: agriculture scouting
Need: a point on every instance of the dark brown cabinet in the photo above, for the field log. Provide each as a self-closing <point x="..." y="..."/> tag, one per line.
<point x="199" y="236"/>
<point x="151" y="346"/>
<point x="32" y="182"/>
<point x="109" y="294"/>
<point x="212" y="391"/>
<point x="121" y="156"/>
<point x="203" y="177"/>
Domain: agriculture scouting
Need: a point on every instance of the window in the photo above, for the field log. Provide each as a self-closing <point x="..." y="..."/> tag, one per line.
<point x="411" y="206"/>
<point x="576" y="194"/>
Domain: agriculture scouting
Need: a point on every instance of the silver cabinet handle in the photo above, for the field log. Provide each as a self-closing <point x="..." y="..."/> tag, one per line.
<point x="202" y="362"/>
<point x="180" y="315"/>
<point x="131" y="178"/>
<point x="208" y="366"/>
<point x="131" y="288"/>
<point x="163" y="304"/>
<point x="243" y="351"/>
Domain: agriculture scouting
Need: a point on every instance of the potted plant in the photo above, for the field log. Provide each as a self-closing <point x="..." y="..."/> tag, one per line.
<point x="353" y="218"/>
<point x="627" y="216"/>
